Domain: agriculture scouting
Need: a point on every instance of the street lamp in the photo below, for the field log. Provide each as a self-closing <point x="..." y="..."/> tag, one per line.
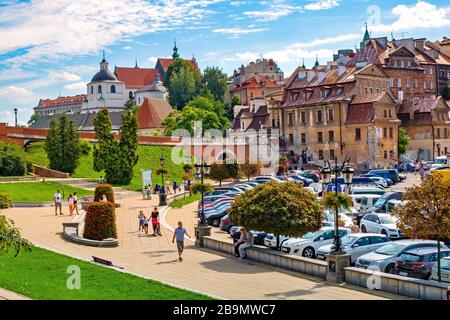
<point x="15" y="116"/>
<point x="162" y="193"/>
<point x="201" y="169"/>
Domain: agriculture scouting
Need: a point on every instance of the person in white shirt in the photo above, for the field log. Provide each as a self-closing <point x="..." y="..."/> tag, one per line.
<point x="70" y="201"/>
<point x="75" y="202"/>
<point x="57" y="198"/>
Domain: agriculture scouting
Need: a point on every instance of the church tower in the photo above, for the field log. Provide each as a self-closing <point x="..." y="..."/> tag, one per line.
<point x="175" y="54"/>
<point x="366" y="38"/>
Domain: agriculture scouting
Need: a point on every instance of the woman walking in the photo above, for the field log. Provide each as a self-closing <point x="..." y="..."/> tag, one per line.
<point x="155" y="222"/>
<point x="70" y="201"/>
<point x="75" y="202"/>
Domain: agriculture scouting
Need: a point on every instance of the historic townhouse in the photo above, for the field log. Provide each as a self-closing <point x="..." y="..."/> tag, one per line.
<point x="333" y="111"/>
<point x="257" y="86"/>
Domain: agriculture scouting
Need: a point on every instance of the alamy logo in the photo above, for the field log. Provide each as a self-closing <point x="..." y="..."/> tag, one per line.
<point x="74" y="280"/>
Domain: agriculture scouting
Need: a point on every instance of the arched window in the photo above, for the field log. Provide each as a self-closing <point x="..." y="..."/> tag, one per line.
<point x="99" y="89"/>
<point x="113" y="89"/>
<point x="130" y="95"/>
<point x="92" y="89"/>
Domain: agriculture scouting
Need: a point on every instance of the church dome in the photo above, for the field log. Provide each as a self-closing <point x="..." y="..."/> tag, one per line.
<point x="104" y="75"/>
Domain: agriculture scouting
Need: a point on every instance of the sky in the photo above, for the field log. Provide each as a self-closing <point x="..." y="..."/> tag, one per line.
<point x="53" y="47"/>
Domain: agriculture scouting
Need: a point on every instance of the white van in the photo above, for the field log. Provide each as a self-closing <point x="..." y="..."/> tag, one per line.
<point x="362" y="202"/>
<point x="367" y="190"/>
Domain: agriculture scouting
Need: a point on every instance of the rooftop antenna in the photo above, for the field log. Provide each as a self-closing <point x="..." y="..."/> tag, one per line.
<point x="104" y="55"/>
<point x="136" y="65"/>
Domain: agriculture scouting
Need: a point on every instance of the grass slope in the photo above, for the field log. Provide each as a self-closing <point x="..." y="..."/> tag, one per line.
<point x="42" y="274"/>
<point x="182" y="202"/>
<point x="38" y="191"/>
<point x="148" y="159"/>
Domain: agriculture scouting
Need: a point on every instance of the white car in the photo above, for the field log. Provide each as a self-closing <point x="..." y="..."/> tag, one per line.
<point x="307" y="245"/>
<point x="362" y="202"/>
<point x="382" y="223"/>
<point x="445" y="270"/>
<point x="329" y="216"/>
<point x="271" y="240"/>
<point x="356" y="244"/>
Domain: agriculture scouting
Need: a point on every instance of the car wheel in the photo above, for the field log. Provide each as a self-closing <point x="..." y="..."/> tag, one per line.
<point x="215" y="223"/>
<point x="390" y="268"/>
<point x="363" y="229"/>
<point x="309" y="252"/>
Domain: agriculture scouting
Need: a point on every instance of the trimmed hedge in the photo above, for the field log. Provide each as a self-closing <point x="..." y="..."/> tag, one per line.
<point x="100" y="221"/>
<point x="104" y="189"/>
<point x="5" y="202"/>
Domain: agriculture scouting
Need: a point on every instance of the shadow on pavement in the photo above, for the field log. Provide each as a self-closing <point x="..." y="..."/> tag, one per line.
<point x="232" y="265"/>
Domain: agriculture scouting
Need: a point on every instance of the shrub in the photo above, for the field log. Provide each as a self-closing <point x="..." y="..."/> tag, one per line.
<point x="339" y="200"/>
<point x="100" y="221"/>
<point x="198" y="187"/>
<point x="85" y="147"/>
<point x="104" y="189"/>
<point x="12" y="162"/>
<point x="29" y="167"/>
<point x="5" y="202"/>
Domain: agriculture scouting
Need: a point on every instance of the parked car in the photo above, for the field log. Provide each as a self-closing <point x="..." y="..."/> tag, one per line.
<point x="418" y="263"/>
<point x="311" y="175"/>
<point x="212" y="199"/>
<point x="258" y="236"/>
<point x="218" y="192"/>
<point x="231" y="189"/>
<point x="346" y="216"/>
<point x="356" y="244"/>
<point x="382" y="223"/>
<point x="262" y="179"/>
<point x="215" y="203"/>
<point x="306" y="181"/>
<point x="271" y="240"/>
<point x="367" y="190"/>
<point x="394" y="176"/>
<point x="380" y="205"/>
<point x="381" y="173"/>
<point x="384" y="258"/>
<point x="389" y="182"/>
<point x="362" y="202"/>
<point x="391" y="204"/>
<point x="366" y="181"/>
<point x="307" y="245"/>
<point x="445" y="270"/>
<point x="213" y="217"/>
<point x="225" y="223"/>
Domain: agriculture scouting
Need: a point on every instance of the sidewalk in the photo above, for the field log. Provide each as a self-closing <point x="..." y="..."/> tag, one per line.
<point x="201" y="270"/>
<point x="9" y="295"/>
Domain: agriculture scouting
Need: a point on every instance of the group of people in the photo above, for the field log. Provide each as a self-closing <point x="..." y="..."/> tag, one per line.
<point x="175" y="188"/>
<point x="72" y="201"/>
<point x="153" y="218"/>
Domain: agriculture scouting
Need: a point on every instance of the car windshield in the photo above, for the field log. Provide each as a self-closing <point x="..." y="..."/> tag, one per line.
<point x="348" y="240"/>
<point x="390" y="249"/>
<point x="380" y="202"/>
<point x="311" y="235"/>
<point x="386" y="220"/>
<point x="409" y="257"/>
<point x="440" y="161"/>
<point x="445" y="264"/>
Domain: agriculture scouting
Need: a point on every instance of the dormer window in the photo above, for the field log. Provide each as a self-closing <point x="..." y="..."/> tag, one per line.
<point x="308" y="95"/>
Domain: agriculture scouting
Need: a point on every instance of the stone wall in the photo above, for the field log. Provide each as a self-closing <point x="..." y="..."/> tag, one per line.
<point x="49" y="173"/>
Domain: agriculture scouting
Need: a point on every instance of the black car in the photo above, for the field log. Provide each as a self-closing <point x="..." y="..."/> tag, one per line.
<point x="311" y="175"/>
<point x="258" y="237"/>
<point x="380" y="205"/>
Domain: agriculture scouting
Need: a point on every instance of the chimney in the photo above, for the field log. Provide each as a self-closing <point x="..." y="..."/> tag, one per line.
<point x="257" y="78"/>
<point x="420" y="43"/>
<point x="322" y="75"/>
<point x="311" y="74"/>
<point x="341" y="70"/>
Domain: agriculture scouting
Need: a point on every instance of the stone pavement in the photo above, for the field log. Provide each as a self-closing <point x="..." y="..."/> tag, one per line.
<point x="8" y="295"/>
<point x="202" y="271"/>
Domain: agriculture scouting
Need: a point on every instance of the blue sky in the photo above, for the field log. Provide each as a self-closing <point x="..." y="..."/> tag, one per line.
<point x="51" y="47"/>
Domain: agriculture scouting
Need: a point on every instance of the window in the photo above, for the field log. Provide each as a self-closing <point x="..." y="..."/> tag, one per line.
<point x="130" y="95"/>
<point x="357" y="134"/>
<point x="385" y="113"/>
<point x="303" y="137"/>
<point x="92" y="89"/>
<point x="331" y="154"/>
<point x="375" y="240"/>
<point x="438" y="133"/>
<point x="431" y="71"/>
<point x="409" y="64"/>
<point x="320" y="154"/>
<point x="364" y="241"/>
<point x="99" y="89"/>
<point x="391" y="82"/>
<point x="416" y="83"/>
<point x="448" y="75"/>
<point x="290" y="119"/>
<point x="407" y="83"/>
<point x="291" y="138"/>
<point x="399" y="83"/>
<point x="330" y="136"/>
<point x="385" y="154"/>
<point x="390" y="113"/>
<point x="391" y="133"/>
<point x="330" y="114"/>
<point x="384" y="132"/>
<point x="445" y="133"/>
<point x="308" y="95"/>
<point x="113" y="89"/>
<point x="431" y="84"/>
<point x="139" y="100"/>
<point x="424" y="84"/>
<point x="319" y="137"/>
<point x="303" y="116"/>
<point x="319" y="115"/>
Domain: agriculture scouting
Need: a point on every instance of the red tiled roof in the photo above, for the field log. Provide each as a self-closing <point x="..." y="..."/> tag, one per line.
<point x="152" y="112"/>
<point x="360" y="113"/>
<point x="420" y="118"/>
<point x="135" y="77"/>
<point x="254" y="83"/>
<point x="64" y="101"/>
<point x="166" y="62"/>
<point x="367" y="98"/>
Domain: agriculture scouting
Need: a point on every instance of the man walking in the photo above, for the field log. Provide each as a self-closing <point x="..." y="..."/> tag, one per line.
<point x="179" y="235"/>
<point x="57" y="198"/>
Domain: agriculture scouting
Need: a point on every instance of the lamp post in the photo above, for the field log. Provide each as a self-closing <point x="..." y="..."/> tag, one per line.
<point x="347" y="172"/>
<point x="162" y="194"/>
<point x="15" y="116"/>
<point x="202" y="169"/>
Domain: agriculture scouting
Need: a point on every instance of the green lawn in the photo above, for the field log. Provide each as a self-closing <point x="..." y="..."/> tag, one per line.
<point x="148" y="159"/>
<point x="184" y="201"/>
<point x="42" y="275"/>
<point x="38" y="191"/>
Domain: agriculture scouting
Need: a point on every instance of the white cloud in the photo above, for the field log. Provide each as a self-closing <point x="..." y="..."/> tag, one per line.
<point x="17" y="95"/>
<point x="420" y="15"/>
<point x="237" y="3"/>
<point x="152" y="59"/>
<point x="76" y="86"/>
<point x="274" y="10"/>
<point x="51" y="29"/>
<point x="15" y="72"/>
<point x="237" y="32"/>
<point x="23" y="115"/>
<point x="322" y="5"/>
<point x="53" y="77"/>
<point x="127" y="48"/>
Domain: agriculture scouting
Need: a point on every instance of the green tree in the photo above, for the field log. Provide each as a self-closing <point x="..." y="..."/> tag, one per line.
<point x="233" y="170"/>
<point x="403" y="141"/>
<point x="446" y="93"/>
<point x="278" y="208"/>
<point x="12" y="160"/>
<point x="63" y="145"/>
<point x="106" y="143"/>
<point x="128" y="144"/>
<point x="250" y="169"/>
<point x="182" y="88"/>
<point x="34" y="117"/>
<point x="216" y="82"/>
<point x="219" y="172"/>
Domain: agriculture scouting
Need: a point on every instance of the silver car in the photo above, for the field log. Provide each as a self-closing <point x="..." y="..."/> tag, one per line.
<point x="271" y="240"/>
<point x="384" y="258"/>
<point x="445" y="270"/>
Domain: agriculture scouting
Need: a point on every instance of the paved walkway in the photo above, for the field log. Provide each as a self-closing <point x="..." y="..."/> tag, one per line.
<point x="202" y="271"/>
<point x="8" y="295"/>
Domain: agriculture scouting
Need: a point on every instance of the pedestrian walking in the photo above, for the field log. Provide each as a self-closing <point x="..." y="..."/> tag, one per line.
<point x="155" y="222"/>
<point x="141" y="219"/>
<point x="75" y="202"/>
<point x="57" y="198"/>
<point x="70" y="202"/>
<point x="168" y="187"/>
<point x="179" y="236"/>
<point x="100" y="180"/>
<point x="174" y="187"/>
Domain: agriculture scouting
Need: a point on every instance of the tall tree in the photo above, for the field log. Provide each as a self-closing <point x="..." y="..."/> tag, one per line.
<point x="182" y="87"/>
<point x="403" y="141"/>
<point x="216" y="82"/>
<point x="250" y="169"/>
<point x="426" y="214"/>
<point x="128" y="143"/>
<point x="106" y="144"/>
<point x="218" y="172"/>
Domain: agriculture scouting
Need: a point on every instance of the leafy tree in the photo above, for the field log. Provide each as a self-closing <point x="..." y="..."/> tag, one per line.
<point x="235" y="101"/>
<point x="182" y="88"/>
<point x="233" y="170"/>
<point x="63" y="145"/>
<point x="278" y="208"/>
<point x="219" y="172"/>
<point x="185" y="120"/>
<point x="12" y="161"/>
<point x="446" y="93"/>
<point x="128" y="144"/>
<point x="176" y="66"/>
<point x="198" y="187"/>
<point x="403" y="141"/>
<point x="215" y="81"/>
<point x="426" y="214"/>
<point x="34" y="117"/>
<point x="106" y="143"/>
<point x="10" y="237"/>
<point x="250" y="169"/>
